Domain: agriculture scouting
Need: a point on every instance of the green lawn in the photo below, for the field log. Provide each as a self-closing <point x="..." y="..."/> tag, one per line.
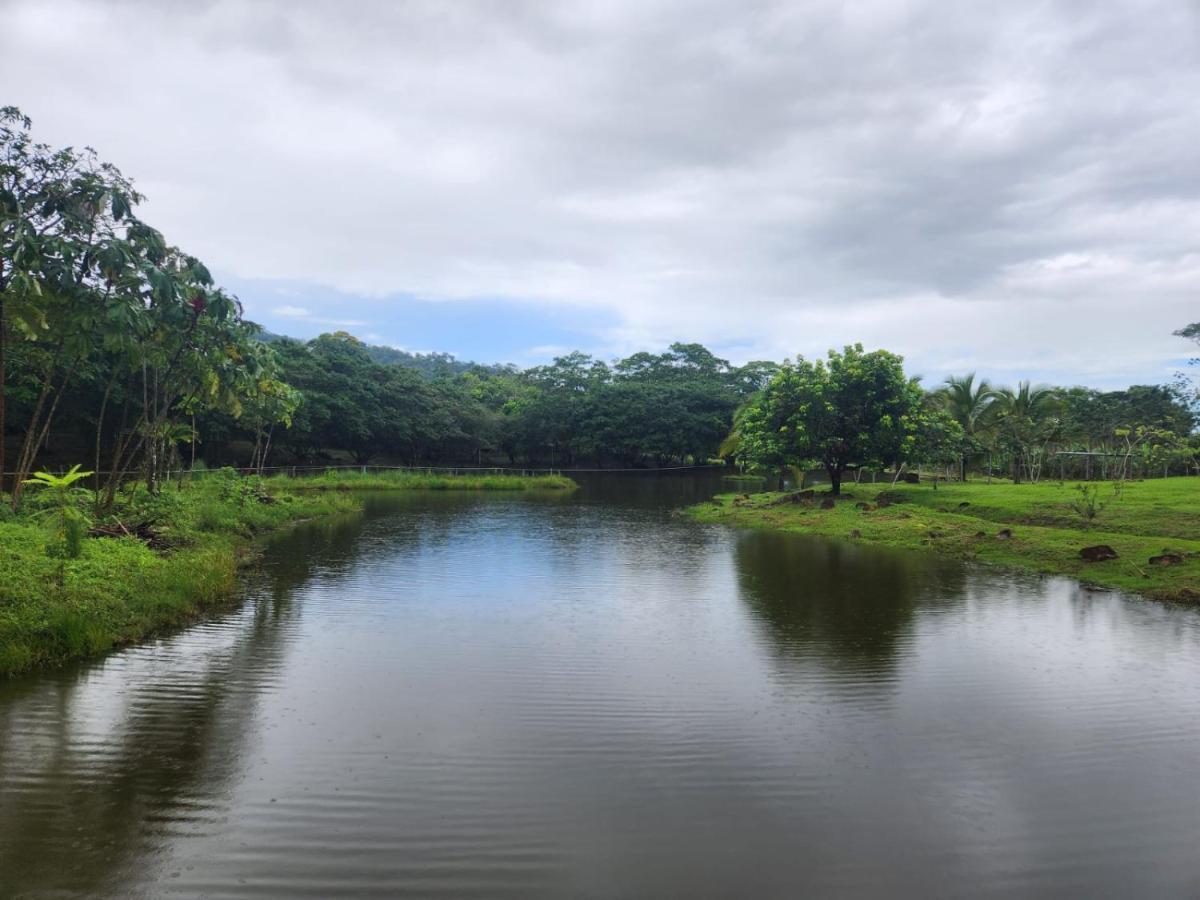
<point x="1147" y="519"/>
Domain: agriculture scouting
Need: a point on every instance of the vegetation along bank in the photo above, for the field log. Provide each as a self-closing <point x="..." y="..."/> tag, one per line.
<point x="1142" y="537"/>
<point x="334" y="480"/>
<point x="78" y="583"/>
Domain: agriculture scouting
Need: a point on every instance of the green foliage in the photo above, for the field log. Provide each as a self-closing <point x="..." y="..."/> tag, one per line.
<point x="1187" y="386"/>
<point x="1089" y="504"/>
<point x="59" y="484"/>
<point x="70" y="522"/>
<point x="1027" y="421"/>
<point x="856" y="409"/>
<point x="936" y="435"/>
<point x="117" y="589"/>
<point x="649" y="409"/>
<point x="430" y="365"/>
<point x="968" y="402"/>
<point x="91" y="293"/>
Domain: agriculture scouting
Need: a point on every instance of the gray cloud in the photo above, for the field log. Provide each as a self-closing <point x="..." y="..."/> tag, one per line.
<point x="1011" y="189"/>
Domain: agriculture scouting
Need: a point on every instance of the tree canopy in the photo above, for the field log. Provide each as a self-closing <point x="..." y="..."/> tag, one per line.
<point x="854" y="409"/>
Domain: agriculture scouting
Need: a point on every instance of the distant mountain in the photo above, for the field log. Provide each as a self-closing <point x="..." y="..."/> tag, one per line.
<point x="431" y="365"/>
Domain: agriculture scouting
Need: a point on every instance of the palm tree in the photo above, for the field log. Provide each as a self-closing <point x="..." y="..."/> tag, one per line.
<point x="967" y="401"/>
<point x="1027" y="416"/>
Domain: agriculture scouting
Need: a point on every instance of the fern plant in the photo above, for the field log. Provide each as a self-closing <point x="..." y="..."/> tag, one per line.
<point x="70" y="522"/>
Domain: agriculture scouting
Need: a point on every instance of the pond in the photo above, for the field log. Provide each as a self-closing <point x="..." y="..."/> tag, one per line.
<point x="586" y="695"/>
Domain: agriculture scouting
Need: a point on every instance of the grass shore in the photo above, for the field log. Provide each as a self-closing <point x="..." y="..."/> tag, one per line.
<point x="970" y="521"/>
<point x="419" y="481"/>
<point x="180" y="559"/>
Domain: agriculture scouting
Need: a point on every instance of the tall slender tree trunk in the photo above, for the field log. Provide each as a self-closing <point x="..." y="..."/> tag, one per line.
<point x="835" y="480"/>
<point x="266" y="449"/>
<point x="3" y="381"/>
<point x="255" y="454"/>
<point x="34" y="418"/>
<point x="39" y="430"/>
<point x="100" y="432"/>
<point x="119" y="445"/>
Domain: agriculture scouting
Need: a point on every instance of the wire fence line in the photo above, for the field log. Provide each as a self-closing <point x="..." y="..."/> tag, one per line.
<point x="302" y="471"/>
<point x="311" y="470"/>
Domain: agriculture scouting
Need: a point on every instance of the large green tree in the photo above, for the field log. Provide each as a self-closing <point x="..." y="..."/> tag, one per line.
<point x="96" y="303"/>
<point x="853" y="409"/>
<point x="68" y="269"/>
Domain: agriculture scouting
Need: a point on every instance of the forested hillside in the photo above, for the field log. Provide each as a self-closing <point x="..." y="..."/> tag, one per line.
<point x="431" y="365"/>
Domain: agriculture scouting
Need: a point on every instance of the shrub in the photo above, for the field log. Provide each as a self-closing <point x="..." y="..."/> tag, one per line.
<point x="63" y="506"/>
<point x="1089" y="505"/>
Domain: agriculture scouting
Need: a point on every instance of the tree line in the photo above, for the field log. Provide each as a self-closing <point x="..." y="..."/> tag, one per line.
<point x="644" y="411"/>
<point x="103" y="322"/>
<point x="118" y="350"/>
<point x="857" y="410"/>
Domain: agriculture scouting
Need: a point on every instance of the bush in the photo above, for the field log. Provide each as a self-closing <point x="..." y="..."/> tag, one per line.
<point x="1089" y="505"/>
<point x="63" y="504"/>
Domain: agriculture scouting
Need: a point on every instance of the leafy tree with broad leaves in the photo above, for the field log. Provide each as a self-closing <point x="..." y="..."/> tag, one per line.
<point x="93" y="295"/>
<point x="854" y="409"/>
<point x="68" y="272"/>
<point x="935" y="435"/>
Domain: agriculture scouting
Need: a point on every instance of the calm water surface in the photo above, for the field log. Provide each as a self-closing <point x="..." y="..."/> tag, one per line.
<point x="588" y="696"/>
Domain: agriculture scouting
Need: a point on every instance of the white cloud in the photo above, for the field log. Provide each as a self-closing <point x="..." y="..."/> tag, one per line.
<point x="547" y="351"/>
<point x="291" y="312"/>
<point x="304" y="315"/>
<point x="985" y="188"/>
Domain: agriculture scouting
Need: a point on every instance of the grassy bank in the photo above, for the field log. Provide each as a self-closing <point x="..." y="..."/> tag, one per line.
<point x="179" y="559"/>
<point x="970" y="521"/>
<point x="419" y="481"/>
<point x="167" y="559"/>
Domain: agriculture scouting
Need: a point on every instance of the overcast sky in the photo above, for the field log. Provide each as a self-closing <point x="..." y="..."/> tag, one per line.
<point x="1010" y="187"/>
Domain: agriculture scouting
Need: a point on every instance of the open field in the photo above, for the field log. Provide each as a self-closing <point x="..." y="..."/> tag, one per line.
<point x="1143" y="520"/>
